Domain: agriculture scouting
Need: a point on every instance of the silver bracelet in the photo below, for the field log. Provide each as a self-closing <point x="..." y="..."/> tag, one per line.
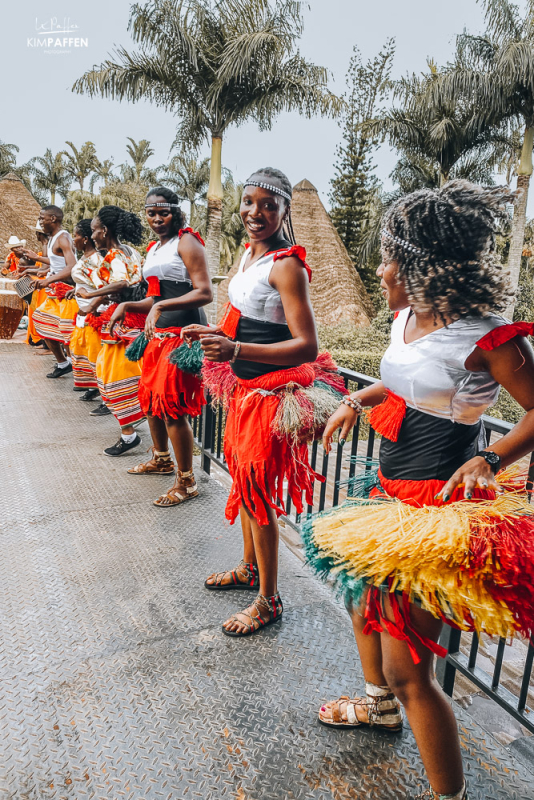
<point x="237" y="348"/>
<point x="353" y="403"/>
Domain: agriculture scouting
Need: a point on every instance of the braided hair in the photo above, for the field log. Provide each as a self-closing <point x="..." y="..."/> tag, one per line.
<point x="275" y="177"/>
<point x="84" y="228"/>
<point x="121" y="224"/>
<point x="178" y="216"/>
<point x="443" y="241"/>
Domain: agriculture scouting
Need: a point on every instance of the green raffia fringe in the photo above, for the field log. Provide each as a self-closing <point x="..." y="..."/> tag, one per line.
<point x="347" y="586"/>
<point x="188" y="359"/>
<point x="135" y="350"/>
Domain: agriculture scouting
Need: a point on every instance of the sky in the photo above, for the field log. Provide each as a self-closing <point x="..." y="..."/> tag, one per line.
<point x="39" y="110"/>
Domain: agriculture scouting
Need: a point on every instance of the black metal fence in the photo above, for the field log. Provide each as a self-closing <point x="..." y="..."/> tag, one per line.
<point x="337" y="468"/>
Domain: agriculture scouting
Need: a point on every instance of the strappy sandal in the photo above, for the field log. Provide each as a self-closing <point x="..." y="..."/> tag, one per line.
<point x="378" y="712"/>
<point x="431" y="795"/>
<point x="159" y="464"/>
<point x="244" y="576"/>
<point x="271" y="605"/>
<point x="175" y="496"/>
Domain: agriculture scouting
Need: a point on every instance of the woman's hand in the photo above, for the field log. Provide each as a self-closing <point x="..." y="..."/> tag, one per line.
<point x="192" y="333"/>
<point x="345" y="418"/>
<point x="151" y="320"/>
<point x="117" y="316"/>
<point x="81" y="291"/>
<point x="475" y="473"/>
<point x="216" y="348"/>
<point x="70" y="294"/>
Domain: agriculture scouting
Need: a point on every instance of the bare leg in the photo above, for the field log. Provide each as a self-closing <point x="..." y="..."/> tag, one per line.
<point x="127" y="430"/>
<point x="57" y="349"/>
<point x="266" y="538"/>
<point x="181" y="436"/>
<point x="429" y="713"/>
<point x="249" y="554"/>
<point x="369" y="649"/>
<point x="158" y="432"/>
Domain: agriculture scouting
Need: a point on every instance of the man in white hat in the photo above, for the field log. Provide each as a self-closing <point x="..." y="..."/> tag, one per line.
<point x="37" y="270"/>
<point x="16" y="247"/>
<point x="53" y="319"/>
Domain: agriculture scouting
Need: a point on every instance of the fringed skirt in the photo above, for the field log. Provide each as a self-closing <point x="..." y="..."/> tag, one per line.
<point x="55" y="319"/>
<point x="271" y="419"/>
<point x="164" y="389"/>
<point x="85" y="345"/>
<point x="468" y="563"/>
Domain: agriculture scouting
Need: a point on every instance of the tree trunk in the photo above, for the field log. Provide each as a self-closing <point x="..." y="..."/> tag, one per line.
<point x="213" y="234"/>
<point x="52" y="197"/>
<point x="519" y="222"/>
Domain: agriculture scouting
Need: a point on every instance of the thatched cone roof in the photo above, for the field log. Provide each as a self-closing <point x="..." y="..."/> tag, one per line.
<point x="337" y="292"/>
<point x="19" y="212"/>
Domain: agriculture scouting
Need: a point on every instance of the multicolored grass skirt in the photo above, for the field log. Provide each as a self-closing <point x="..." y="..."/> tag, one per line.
<point x="118" y="382"/>
<point x="85" y="345"/>
<point x="468" y="563"/>
<point x="54" y="319"/>
<point x="164" y="390"/>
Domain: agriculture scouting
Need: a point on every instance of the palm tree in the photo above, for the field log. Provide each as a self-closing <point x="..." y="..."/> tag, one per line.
<point x="137" y="171"/>
<point x="189" y="178"/>
<point x="49" y="174"/>
<point x="8" y="158"/>
<point x="496" y="70"/>
<point x="215" y="65"/>
<point x="80" y="164"/>
<point x="102" y="172"/>
<point x="437" y="137"/>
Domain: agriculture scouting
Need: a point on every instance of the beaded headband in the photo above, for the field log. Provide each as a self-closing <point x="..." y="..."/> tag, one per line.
<point x="402" y="243"/>
<point x="162" y="205"/>
<point x="268" y="186"/>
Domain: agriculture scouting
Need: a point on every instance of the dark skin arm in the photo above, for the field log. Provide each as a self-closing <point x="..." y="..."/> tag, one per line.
<point x="289" y="278"/>
<point x="63" y="244"/>
<point x="511" y="365"/>
<point x="110" y="288"/>
<point x="345" y="417"/>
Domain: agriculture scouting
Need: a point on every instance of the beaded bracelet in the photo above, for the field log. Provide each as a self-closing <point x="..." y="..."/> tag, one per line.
<point x="237" y="348"/>
<point x="354" y="404"/>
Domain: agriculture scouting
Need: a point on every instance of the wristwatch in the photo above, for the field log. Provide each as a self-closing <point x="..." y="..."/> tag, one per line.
<point x="492" y="459"/>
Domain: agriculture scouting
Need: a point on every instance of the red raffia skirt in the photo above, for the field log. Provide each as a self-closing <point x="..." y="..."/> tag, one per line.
<point x="164" y="389"/>
<point x="271" y="419"/>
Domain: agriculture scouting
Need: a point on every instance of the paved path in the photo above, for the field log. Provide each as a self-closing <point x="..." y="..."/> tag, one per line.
<point x="115" y="680"/>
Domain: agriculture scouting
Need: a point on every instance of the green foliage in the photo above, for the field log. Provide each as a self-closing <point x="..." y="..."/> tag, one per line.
<point x="49" y="174"/>
<point x="355" y="196"/>
<point x="8" y="157"/>
<point x="137" y="171"/>
<point x="80" y="163"/>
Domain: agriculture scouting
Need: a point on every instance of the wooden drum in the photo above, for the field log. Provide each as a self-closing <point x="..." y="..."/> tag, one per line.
<point x="11" y="308"/>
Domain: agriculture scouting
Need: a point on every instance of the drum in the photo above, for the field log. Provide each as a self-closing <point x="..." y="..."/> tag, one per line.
<point x="11" y="308"/>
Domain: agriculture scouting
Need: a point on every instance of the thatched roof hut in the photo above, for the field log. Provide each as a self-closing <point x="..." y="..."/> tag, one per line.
<point x="337" y="292"/>
<point x="19" y="212"/>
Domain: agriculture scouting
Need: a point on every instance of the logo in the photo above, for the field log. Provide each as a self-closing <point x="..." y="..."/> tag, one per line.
<point x="56" y="36"/>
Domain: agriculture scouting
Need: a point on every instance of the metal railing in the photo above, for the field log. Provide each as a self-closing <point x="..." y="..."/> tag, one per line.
<point x="209" y="435"/>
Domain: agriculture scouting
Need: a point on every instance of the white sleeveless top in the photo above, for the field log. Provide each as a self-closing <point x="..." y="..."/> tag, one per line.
<point x="57" y="263"/>
<point x="430" y="374"/>
<point x="163" y="262"/>
<point x="251" y="293"/>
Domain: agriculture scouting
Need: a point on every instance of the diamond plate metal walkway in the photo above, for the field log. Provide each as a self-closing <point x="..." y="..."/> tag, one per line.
<point x="115" y="681"/>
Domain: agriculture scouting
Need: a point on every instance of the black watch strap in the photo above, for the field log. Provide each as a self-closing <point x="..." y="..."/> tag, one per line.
<point x="492" y="459"/>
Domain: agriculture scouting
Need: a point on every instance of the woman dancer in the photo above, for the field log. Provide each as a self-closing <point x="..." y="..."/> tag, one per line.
<point x="178" y="286"/>
<point x="406" y="567"/>
<point x="268" y="337"/>
<point x="85" y="343"/>
<point x="119" y="276"/>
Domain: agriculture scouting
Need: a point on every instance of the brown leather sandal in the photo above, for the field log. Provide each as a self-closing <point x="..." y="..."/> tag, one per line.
<point x="272" y="609"/>
<point x="176" y="495"/>
<point x="375" y="712"/>
<point x="244" y="576"/>
<point x="159" y="464"/>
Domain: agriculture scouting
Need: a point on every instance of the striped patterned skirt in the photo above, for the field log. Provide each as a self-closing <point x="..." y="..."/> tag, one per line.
<point x="54" y="319"/>
<point x="85" y="345"/>
<point x="118" y="382"/>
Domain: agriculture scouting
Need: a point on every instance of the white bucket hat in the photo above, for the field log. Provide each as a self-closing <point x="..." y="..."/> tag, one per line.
<point x="14" y="241"/>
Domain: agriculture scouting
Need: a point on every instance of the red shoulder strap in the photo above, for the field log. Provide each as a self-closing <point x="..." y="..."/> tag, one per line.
<point x="298" y="251"/>
<point x="196" y="234"/>
<point x="504" y="333"/>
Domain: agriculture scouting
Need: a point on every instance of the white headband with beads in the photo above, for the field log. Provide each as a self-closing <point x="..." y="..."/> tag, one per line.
<point x="270" y="188"/>
<point x="162" y="205"/>
<point x="402" y="243"/>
